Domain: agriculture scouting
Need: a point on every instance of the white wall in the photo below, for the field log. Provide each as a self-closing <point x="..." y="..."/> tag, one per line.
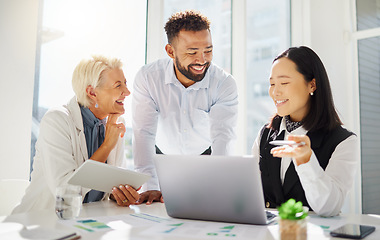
<point x="18" y="31"/>
<point x="326" y="26"/>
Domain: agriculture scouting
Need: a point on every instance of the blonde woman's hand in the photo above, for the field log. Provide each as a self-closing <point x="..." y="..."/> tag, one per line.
<point x="113" y="131"/>
<point x="301" y="153"/>
<point x="124" y="195"/>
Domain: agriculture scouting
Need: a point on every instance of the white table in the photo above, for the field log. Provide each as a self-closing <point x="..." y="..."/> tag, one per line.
<point x="104" y="209"/>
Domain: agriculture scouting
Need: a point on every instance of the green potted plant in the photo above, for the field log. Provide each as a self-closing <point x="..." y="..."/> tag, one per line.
<point x="293" y="221"/>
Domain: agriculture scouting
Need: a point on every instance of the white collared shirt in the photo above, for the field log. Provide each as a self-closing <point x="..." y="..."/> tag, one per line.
<point x="181" y="120"/>
<point x="325" y="190"/>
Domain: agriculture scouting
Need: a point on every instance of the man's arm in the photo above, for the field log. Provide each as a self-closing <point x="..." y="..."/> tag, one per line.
<point x="223" y="117"/>
<point x="144" y="124"/>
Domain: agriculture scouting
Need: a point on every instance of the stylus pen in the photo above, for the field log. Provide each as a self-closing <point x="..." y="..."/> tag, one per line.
<point x="285" y="142"/>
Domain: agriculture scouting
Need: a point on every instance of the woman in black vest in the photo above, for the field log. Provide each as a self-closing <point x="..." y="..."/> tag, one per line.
<point x="320" y="169"/>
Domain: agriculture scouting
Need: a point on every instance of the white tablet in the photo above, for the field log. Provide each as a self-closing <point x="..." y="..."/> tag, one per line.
<point x="103" y="177"/>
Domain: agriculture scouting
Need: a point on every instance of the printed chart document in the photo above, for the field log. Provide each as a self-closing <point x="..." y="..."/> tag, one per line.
<point x="209" y="230"/>
<point x="117" y="222"/>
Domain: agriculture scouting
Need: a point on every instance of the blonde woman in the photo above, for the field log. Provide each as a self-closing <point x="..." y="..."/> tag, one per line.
<point x="90" y="126"/>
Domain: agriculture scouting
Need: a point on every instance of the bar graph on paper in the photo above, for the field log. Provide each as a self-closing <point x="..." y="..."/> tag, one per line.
<point x="107" y="223"/>
<point x="202" y="230"/>
<point x="149" y="217"/>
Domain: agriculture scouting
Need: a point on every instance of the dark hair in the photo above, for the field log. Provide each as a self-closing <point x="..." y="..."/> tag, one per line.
<point x="188" y="20"/>
<point x="322" y="113"/>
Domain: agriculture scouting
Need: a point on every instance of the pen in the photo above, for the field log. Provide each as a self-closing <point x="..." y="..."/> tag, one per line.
<point x="72" y="236"/>
<point x="284" y="142"/>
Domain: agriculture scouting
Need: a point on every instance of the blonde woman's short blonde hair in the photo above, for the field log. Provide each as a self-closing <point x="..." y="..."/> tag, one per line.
<point x="90" y="72"/>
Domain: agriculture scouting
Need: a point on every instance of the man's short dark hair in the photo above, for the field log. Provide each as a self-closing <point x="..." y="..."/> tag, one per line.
<point x="188" y="20"/>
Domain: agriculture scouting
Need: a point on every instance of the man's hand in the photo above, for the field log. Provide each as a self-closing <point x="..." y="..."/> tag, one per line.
<point x="150" y="196"/>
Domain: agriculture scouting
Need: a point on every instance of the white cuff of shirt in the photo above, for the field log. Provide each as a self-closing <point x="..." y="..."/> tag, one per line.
<point x="152" y="184"/>
<point x="310" y="171"/>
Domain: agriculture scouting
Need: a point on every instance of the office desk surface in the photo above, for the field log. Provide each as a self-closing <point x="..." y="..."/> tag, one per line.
<point x="139" y="222"/>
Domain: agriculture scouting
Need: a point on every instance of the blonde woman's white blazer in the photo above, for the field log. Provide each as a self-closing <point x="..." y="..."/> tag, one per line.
<point x="60" y="149"/>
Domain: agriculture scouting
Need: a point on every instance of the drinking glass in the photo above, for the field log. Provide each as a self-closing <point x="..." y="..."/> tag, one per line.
<point x="68" y="201"/>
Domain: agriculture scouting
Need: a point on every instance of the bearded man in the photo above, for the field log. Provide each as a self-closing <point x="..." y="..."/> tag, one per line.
<point x="183" y="104"/>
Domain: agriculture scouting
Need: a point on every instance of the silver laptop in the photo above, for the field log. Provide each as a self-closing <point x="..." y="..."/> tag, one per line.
<point x="215" y="188"/>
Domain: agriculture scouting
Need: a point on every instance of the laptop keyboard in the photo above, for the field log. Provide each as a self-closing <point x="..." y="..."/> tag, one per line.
<point x="270" y="215"/>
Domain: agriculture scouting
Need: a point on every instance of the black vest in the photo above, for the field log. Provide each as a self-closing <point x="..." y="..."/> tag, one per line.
<point x="323" y="143"/>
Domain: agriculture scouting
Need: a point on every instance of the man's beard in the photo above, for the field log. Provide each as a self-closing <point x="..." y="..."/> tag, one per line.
<point x="187" y="72"/>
